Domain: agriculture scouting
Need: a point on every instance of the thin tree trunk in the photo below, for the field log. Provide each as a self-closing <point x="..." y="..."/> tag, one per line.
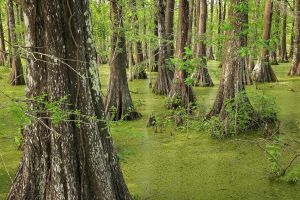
<point x="231" y="80"/>
<point x="139" y="72"/>
<point x="202" y="77"/>
<point x="219" y="46"/>
<point x="275" y="43"/>
<point x="2" y="43"/>
<point x="16" y="76"/>
<point x="283" y="51"/>
<point x="163" y="81"/>
<point x="209" y="54"/>
<point x="291" y="53"/>
<point x="180" y="90"/>
<point x="118" y="102"/>
<point x="190" y="32"/>
<point x="156" y="51"/>
<point x="73" y="157"/>
<point x="263" y="71"/>
<point x="170" y="27"/>
<point x="295" y="69"/>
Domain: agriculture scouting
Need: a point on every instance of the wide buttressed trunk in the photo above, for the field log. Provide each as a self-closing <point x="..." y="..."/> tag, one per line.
<point x="181" y="94"/>
<point x="295" y="69"/>
<point x="202" y="77"/>
<point x="118" y="102"/>
<point x="263" y="71"/>
<point x="231" y="83"/>
<point x="16" y="76"/>
<point x="71" y="156"/>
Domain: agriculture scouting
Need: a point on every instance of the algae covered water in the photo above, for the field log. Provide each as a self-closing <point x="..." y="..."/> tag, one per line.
<point x="167" y="165"/>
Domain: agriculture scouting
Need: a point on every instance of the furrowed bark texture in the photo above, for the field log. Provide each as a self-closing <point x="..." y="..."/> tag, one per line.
<point x="275" y="33"/>
<point x="16" y="76"/>
<point x="118" y="102"/>
<point x="163" y="81"/>
<point x="139" y="72"/>
<point x="202" y="77"/>
<point x="179" y="88"/>
<point x="295" y="69"/>
<point x="64" y="160"/>
<point x="210" y="54"/>
<point x="263" y="71"/>
<point x="231" y="79"/>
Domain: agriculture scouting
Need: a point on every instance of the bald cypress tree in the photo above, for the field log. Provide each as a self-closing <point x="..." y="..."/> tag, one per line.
<point x="63" y="159"/>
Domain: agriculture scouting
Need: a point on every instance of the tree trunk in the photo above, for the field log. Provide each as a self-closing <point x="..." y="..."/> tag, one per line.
<point x="163" y="81"/>
<point x="231" y="79"/>
<point x="180" y="90"/>
<point x="219" y="46"/>
<point x="73" y="157"/>
<point x="209" y="54"/>
<point x="139" y="72"/>
<point x="118" y="102"/>
<point x="275" y="43"/>
<point x="295" y="69"/>
<point x="2" y="43"/>
<point x="170" y="27"/>
<point x="263" y="71"/>
<point x="190" y="32"/>
<point x="283" y="51"/>
<point x="156" y="51"/>
<point x="16" y="76"/>
<point x="202" y="77"/>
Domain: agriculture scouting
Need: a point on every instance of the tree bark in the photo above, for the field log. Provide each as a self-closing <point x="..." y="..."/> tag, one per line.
<point x="16" y="76"/>
<point x="170" y="27"/>
<point x="275" y="43"/>
<point x="209" y="54"/>
<point x="295" y="69"/>
<point x="74" y="157"/>
<point x="139" y="72"/>
<point x="190" y="32"/>
<point x="231" y="79"/>
<point x="180" y="90"/>
<point x="163" y="81"/>
<point x="202" y="77"/>
<point x="2" y="43"/>
<point x="118" y="102"/>
<point x="263" y="71"/>
<point x="283" y="51"/>
<point x="155" y="51"/>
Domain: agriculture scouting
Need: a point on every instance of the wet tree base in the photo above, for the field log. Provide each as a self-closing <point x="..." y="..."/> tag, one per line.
<point x="140" y="75"/>
<point x="263" y="72"/>
<point x="202" y="78"/>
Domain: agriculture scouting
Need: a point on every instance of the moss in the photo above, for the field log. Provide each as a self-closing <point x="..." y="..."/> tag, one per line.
<point x="169" y="166"/>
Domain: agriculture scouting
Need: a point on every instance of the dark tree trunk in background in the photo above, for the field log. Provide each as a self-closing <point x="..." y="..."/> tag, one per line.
<point x="2" y="43"/>
<point x="63" y="159"/>
<point x="291" y="53"/>
<point x="224" y="10"/>
<point x="275" y="34"/>
<point x="180" y="91"/>
<point x="209" y="54"/>
<point x="155" y="51"/>
<point x="202" y="77"/>
<point x="191" y="14"/>
<point x="246" y="77"/>
<point x="295" y="69"/>
<point x="231" y="79"/>
<point x="219" y="47"/>
<point x="283" y="51"/>
<point x="170" y="27"/>
<point x="16" y="76"/>
<point x="263" y="71"/>
<point x="118" y="102"/>
<point x="163" y="81"/>
<point x="139" y="72"/>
